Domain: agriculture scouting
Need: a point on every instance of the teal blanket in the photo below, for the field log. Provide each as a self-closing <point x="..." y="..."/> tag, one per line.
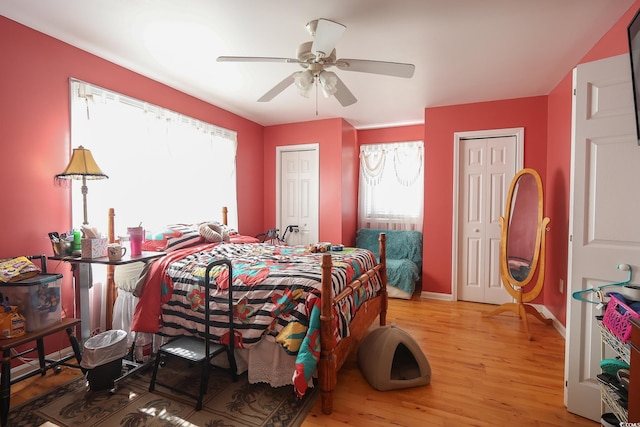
<point x="404" y="255"/>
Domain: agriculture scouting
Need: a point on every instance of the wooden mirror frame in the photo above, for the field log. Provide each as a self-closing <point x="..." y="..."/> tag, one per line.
<point x="514" y="287"/>
<point x="515" y="194"/>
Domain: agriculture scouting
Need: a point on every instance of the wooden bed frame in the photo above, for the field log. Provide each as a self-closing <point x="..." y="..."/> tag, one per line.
<point x="332" y="356"/>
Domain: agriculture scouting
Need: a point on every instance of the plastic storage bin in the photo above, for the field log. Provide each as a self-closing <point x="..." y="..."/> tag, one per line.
<point x="102" y="357"/>
<point x="37" y="299"/>
<point x="616" y="318"/>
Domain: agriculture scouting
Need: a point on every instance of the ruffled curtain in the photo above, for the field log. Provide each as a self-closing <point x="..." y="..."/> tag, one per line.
<point x="391" y="186"/>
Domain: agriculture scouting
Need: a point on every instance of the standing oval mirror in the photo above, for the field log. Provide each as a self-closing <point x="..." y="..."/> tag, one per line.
<point x="522" y="245"/>
<point x="524" y="209"/>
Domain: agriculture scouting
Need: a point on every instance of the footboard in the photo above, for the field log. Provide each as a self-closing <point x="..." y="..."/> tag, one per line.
<point x="332" y="357"/>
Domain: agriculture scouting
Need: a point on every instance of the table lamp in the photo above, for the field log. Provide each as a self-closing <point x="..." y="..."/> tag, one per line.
<point x="82" y="166"/>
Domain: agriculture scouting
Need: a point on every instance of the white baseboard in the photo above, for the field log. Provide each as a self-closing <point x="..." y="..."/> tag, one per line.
<point x="556" y="323"/>
<point x="541" y="308"/>
<point x="436" y="295"/>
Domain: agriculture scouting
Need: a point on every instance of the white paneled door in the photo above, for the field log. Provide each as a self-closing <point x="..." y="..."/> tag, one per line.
<point x="486" y="165"/>
<point x="299" y="193"/>
<point x="603" y="217"/>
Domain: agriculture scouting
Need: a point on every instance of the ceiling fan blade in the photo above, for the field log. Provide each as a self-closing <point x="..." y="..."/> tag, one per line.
<point x="343" y="94"/>
<point x="288" y="81"/>
<point x="255" y="59"/>
<point x="326" y="36"/>
<point x="395" y="69"/>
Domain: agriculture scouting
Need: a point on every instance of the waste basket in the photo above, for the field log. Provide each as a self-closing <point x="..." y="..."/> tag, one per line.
<point x="102" y="357"/>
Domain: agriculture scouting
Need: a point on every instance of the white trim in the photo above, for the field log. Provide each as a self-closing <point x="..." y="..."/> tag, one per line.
<point x="315" y="146"/>
<point x="436" y="296"/>
<point x="518" y="133"/>
<point x="549" y="315"/>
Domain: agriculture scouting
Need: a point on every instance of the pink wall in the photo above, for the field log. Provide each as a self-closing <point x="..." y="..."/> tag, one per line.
<point x="350" y="172"/>
<point x="35" y="142"/>
<point x="329" y="135"/>
<point x="558" y="161"/>
<point x="557" y="196"/>
<point x="614" y="42"/>
<point x="395" y="134"/>
<point x="440" y="125"/>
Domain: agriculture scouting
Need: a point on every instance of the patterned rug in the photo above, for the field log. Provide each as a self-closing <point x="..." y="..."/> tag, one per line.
<point x="130" y="404"/>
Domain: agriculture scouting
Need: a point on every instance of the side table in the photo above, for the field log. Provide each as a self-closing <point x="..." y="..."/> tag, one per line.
<point x="38" y="336"/>
<point x="81" y="268"/>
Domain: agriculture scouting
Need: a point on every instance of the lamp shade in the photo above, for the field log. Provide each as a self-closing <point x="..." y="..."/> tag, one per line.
<point x="304" y="82"/>
<point x="328" y="83"/>
<point x="82" y="165"/>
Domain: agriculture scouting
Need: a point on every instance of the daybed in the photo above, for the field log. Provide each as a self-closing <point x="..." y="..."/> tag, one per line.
<point x="403" y="258"/>
<point x="294" y="308"/>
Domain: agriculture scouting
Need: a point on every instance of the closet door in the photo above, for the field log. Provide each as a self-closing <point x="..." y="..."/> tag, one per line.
<point x="299" y="194"/>
<point x="486" y="165"/>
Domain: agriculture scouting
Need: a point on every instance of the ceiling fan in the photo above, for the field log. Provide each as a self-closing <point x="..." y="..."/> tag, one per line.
<point x="316" y="56"/>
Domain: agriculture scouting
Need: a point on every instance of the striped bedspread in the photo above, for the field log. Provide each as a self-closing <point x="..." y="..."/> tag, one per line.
<point x="276" y="290"/>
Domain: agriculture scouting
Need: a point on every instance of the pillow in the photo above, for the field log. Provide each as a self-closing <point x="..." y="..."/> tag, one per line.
<point x="214" y="232"/>
<point x="159" y="245"/>
<point x="154" y="245"/>
<point x="186" y="239"/>
<point x="183" y="228"/>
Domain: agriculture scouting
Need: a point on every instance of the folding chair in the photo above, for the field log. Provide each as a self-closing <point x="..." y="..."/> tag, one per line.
<point x="200" y="349"/>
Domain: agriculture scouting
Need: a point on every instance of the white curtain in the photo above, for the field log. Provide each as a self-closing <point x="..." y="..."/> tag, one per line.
<point x="163" y="167"/>
<point x="391" y="187"/>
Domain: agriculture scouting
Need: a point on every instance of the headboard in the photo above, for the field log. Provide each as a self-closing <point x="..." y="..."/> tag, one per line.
<point x="112" y="290"/>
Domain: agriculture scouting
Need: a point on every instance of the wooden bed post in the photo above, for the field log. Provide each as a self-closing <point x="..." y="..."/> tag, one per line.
<point x="224" y="215"/>
<point x="333" y="356"/>
<point x="112" y="292"/>
<point x="383" y="275"/>
<point x="327" y="368"/>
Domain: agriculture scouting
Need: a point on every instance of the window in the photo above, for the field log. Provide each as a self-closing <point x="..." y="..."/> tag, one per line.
<point x="163" y="167"/>
<point x="391" y="186"/>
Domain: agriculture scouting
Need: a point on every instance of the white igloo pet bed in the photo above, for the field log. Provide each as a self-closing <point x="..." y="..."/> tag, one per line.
<point x="390" y="359"/>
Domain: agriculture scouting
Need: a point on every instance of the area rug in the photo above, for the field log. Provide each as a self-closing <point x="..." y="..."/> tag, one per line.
<point x="130" y="404"/>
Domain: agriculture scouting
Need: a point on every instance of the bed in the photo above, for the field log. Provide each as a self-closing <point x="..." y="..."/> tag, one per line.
<point x="299" y="314"/>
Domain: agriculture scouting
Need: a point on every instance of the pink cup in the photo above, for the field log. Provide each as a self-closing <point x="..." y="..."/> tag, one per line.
<point x="136" y="235"/>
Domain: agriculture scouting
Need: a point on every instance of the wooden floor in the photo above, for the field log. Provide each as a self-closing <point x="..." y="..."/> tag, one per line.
<point x="485" y="372"/>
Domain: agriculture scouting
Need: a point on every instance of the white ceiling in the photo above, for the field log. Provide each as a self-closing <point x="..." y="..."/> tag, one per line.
<point x="464" y="50"/>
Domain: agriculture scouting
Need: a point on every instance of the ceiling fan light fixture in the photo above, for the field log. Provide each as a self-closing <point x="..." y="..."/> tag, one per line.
<point x="317" y="55"/>
<point x="304" y="82"/>
<point x="328" y="83"/>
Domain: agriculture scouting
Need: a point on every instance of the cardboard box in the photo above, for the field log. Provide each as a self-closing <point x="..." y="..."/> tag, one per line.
<point x="12" y="323"/>
<point x="37" y="299"/>
<point x="94" y="248"/>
